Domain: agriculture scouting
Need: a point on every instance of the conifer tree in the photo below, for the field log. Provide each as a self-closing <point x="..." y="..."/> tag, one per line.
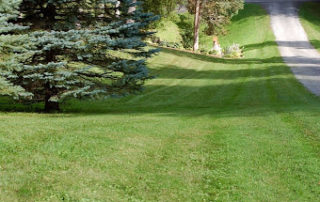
<point x="8" y="12"/>
<point x="99" y="56"/>
<point x="12" y="45"/>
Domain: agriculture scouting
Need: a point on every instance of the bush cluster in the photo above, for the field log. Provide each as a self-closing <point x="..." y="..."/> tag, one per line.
<point x="233" y="51"/>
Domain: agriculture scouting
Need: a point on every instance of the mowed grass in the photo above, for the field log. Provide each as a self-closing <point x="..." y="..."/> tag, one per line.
<point x="204" y="130"/>
<point x="169" y="32"/>
<point x="310" y="19"/>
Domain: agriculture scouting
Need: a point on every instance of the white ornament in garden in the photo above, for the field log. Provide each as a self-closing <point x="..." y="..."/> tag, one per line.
<point x="216" y="47"/>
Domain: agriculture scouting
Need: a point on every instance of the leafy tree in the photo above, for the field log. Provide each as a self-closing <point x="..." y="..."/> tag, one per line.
<point x="216" y="13"/>
<point x="197" y="12"/>
<point x="80" y="60"/>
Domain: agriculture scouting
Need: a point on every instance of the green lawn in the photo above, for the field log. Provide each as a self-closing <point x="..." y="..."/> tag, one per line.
<point x="205" y="129"/>
<point x="310" y="19"/>
<point x="169" y="32"/>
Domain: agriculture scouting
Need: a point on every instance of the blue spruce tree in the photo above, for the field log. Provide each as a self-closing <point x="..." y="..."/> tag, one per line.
<point x="98" y="53"/>
<point x="12" y="46"/>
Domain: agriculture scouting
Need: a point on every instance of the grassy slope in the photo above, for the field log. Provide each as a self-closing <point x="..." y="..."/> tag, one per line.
<point x="310" y="19"/>
<point x="169" y="32"/>
<point x="205" y="129"/>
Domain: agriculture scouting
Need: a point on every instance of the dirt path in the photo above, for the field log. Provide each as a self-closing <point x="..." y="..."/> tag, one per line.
<point x="293" y="42"/>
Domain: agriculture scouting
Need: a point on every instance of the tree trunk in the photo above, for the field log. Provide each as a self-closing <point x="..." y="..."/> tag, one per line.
<point x="117" y="9"/>
<point x="196" y="26"/>
<point x="131" y="10"/>
<point x="51" y="106"/>
<point x="50" y="14"/>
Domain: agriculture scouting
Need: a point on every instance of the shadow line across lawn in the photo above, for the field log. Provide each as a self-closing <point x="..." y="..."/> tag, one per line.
<point x="244" y="91"/>
<point x="295" y="44"/>
<point x="176" y="72"/>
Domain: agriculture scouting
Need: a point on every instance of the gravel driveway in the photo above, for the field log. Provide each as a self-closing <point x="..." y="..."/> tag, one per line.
<point x="293" y="42"/>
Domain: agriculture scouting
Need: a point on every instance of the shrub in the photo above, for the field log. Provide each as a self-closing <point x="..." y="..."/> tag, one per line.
<point x="185" y="24"/>
<point x="203" y="50"/>
<point x="233" y="51"/>
<point x="169" y="44"/>
<point x="155" y="39"/>
<point x="214" y="52"/>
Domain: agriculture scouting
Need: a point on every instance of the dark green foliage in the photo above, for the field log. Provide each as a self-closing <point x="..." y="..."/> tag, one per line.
<point x="186" y="28"/>
<point x="59" y="14"/>
<point x="105" y="58"/>
<point x="217" y="14"/>
<point x="169" y="44"/>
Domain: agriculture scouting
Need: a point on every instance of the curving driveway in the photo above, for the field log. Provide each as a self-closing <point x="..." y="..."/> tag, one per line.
<point x="293" y="42"/>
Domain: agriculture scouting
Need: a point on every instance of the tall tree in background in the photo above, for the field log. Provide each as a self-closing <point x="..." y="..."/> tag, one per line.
<point x="90" y="52"/>
<point x="197" y="24"/>
<point x="216" y="13"/>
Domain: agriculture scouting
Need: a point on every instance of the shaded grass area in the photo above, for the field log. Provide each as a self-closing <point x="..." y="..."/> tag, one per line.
<point x="310" y="19"/>
<point x="205" y="129"/>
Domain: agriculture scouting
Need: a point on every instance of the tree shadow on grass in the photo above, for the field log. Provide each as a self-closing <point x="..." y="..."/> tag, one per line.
<point x="292" y="44"/>
<point x="249" y="98"/>
<point x="244" y="92"/>
<point x="255" y="11"/>
<point x="176" y="72"/>
<point x="315" y="43"/>
<point x="310" y="12"/>
<point x="255" y="46"/>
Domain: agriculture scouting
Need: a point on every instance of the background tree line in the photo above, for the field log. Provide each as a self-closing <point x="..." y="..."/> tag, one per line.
<point x="215" y="13"/>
